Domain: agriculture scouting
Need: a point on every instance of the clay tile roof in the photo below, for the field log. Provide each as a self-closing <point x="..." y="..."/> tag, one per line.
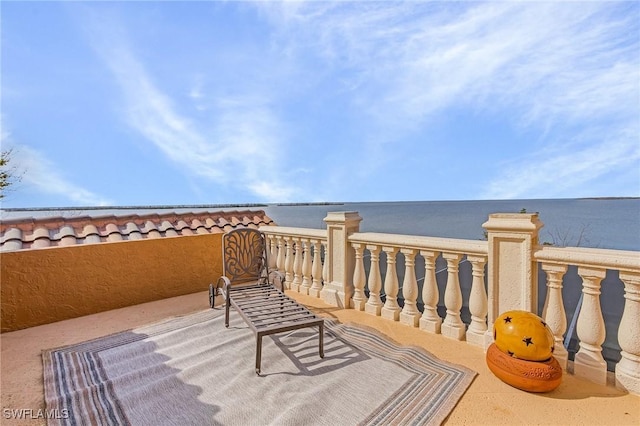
<point x="23" y="234"/>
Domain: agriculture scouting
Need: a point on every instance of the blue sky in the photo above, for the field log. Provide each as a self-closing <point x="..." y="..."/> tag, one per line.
<point x="144" y="103"/>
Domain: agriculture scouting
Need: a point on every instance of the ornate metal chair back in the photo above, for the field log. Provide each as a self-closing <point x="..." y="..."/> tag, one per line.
<point x="245" y="256"/>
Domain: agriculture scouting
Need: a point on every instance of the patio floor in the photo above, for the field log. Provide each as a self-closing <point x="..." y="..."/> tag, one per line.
<point x="488" y="401"/>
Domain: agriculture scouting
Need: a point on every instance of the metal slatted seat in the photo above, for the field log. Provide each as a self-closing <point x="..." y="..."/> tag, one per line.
<point x="247" y="285"/>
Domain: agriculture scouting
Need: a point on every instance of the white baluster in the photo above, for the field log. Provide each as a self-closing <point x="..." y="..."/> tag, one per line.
<point x="374" y="304"/>
<point x="297" y="265"/>
<point x="391" y="309"/>
<point x="410" y="314"/>
<point x="359" y="298"/>
<point x="271" y="244"/>
<point x="288" y="262"/>
<point x="553" y="313"/>
<point x="477" y="332"/>
<point x="430" y="320"/>
<point x="306" y="266"/>
<point x="316" y="270"/>
<point x="325" y="265"/>
<point x="280" y="257"/>
<point x="588" y="362"/>
<point x="628" y="369"/>
<point x="453" y="326"/>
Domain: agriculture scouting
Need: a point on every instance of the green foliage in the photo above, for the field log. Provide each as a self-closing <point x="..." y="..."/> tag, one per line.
<point x="8" y="173"/>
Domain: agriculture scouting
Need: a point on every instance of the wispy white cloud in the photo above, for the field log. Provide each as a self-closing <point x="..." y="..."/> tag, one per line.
<point x="45" y="176"/>
<point x="35" y="170"/>
<point x="559" y="172"/>
<point x="568" y="73"/>
<point x="236" y="146"/>
<point x="412" y="59"/>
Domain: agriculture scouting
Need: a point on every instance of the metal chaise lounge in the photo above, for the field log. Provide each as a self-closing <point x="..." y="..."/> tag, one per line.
<point x="248" y="286"/>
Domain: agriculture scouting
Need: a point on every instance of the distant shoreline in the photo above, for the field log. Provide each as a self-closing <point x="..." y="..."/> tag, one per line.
<point x="160" y="207"/>
<point x="150" y="207"/>
<point x="609" y="198"/>
<point x="253" y="205"/>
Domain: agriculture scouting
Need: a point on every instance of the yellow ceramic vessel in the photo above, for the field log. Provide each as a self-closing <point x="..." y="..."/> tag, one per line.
<point x="523" y="335"/>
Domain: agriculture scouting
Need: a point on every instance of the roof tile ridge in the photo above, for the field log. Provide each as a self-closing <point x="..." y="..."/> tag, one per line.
<point x="131" y="227"/>
<point x="90" y="229"/>
<point x="102" y="221"/>
<point x="132" y="231"/>
<point x="183" y="227"/>
<point x="15" y="223"/>
<point x="66" y="236"/>
<point x="229" y="215"/>
<point x="27" y="224"/>
<point x="151" y="229"/>
<point x="11" y="239"/>
<point x="113" y="232"/>
<point x="198" y="226"/>
<point x="166" y="216"/>
<point x="211" y="224"/>
<point x="41" y="237"/>
<point x="91" y="233"/>
<point x="150" y="225"/>
<point x="78" y="223"/>
<point x="66" y="230"/>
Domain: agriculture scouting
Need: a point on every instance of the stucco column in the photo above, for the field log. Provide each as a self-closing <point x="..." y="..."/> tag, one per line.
<point x="512" y="271"/>
<point x="339" y="258"/>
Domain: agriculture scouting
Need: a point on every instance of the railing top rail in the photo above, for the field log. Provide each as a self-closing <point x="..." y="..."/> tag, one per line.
<point x="297" y="232"/>
<point x="622" y="260"/>
<point x="449" y="245"/>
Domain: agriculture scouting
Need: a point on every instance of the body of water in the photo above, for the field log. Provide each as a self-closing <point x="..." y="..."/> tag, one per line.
<point x="600" y="223"/>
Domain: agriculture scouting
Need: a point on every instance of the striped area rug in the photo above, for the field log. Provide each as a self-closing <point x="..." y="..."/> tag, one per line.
<point x="192" y="371"/>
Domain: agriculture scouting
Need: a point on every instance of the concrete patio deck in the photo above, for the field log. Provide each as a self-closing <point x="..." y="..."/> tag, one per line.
<point x="488" y="401"/>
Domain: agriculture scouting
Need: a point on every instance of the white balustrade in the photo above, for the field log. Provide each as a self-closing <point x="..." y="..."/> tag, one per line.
<point x="512" y="238"/>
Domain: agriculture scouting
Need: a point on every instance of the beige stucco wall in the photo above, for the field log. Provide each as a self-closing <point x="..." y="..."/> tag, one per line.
<point x="41" y="286"/>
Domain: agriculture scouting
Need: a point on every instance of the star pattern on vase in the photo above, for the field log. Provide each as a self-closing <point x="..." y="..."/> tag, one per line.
<point x="528" y="341"/>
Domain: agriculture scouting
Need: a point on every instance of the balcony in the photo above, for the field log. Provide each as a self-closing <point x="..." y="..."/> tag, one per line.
<point x="338" y="272"/>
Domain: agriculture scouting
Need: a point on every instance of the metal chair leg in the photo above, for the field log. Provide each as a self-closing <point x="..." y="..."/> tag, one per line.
<point x="212" y="296"/>
<point x="258" y="352"/>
